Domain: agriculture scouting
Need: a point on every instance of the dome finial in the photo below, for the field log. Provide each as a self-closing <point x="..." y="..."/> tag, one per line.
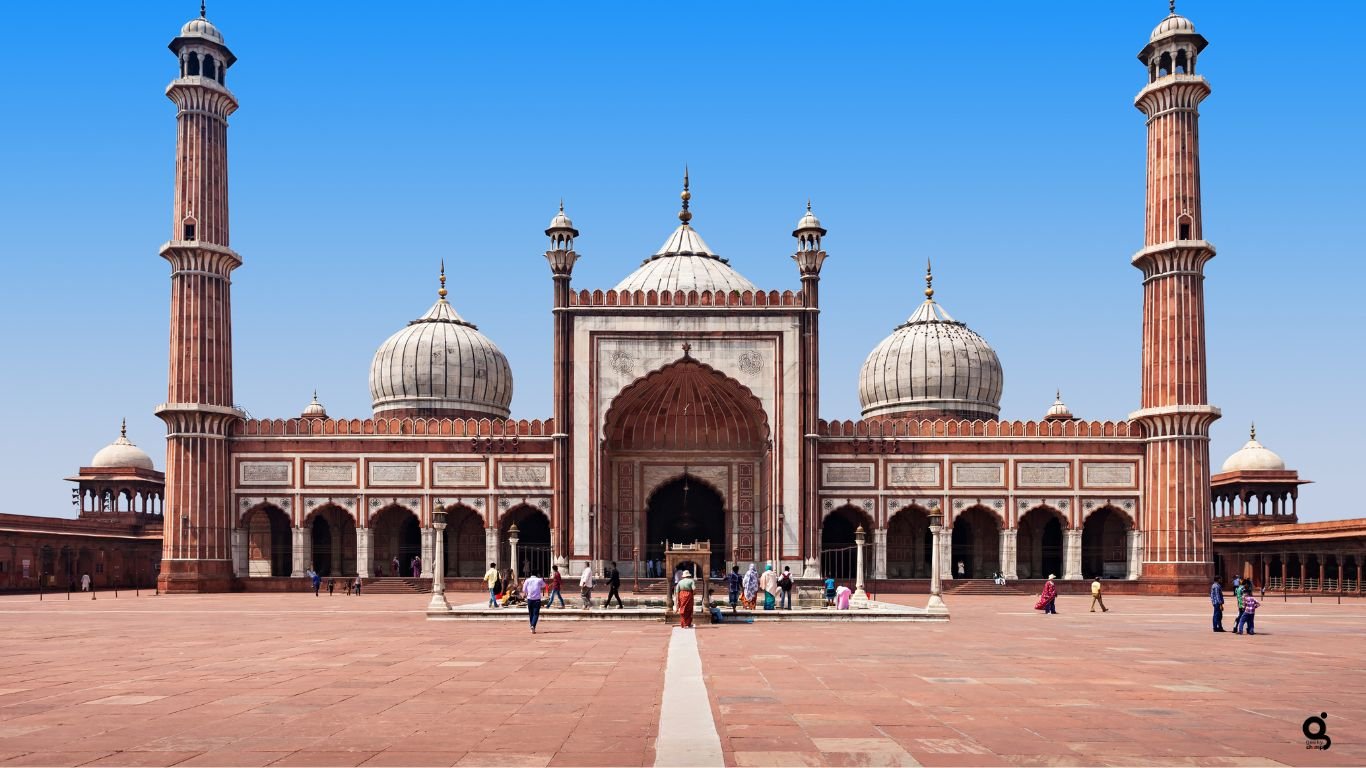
<point x="202" y="10"/>
<point x="442" y="291"/>
<point x="685" y="215"/>
<point x="1252" y="433"/>
<point x="808" y="205"/>
<point x="1171" y="6"/>
<point x="561" y="203"/>
<point x="123" y="428"/>
<point x="929" y="281"/>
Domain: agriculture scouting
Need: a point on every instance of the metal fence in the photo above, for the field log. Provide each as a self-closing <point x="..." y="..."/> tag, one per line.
<point x="839" y="562"/>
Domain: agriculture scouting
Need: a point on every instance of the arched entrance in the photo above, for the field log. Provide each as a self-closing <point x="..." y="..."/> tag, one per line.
<point x="533" y="542"/>
<point x="839" y="548"/>
<point x="668" y="429"/>
<point x="270" y="549"/>
<point x="908" y="544"/>
<point x="464" y="540"/>
<point x="1105" y="544"/>
<point x="333" y="534"/>
<point x="1039" y="547"/>
<point x="976" y="543"/>
<point x="683" y="511"/>
<point x="396" y="533"/>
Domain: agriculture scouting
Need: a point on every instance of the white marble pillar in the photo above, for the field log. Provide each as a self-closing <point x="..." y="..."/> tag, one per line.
<point x="364" y="557"/>
<point x="860" y="596"/>
<point x="1009" y="553"/>
<point x="491" y="546"/>
<point x="1134" y="540"/>
<point x="1071" y="559"/>
<point x="438" y="567"/>
<point x="302" y="550"/>
<point x="880" y="553"/>
<point x="428" y="545"/>
<point x="936" y="602"/>
<point x="945" y="550"/>
<point x="239" y="552"/>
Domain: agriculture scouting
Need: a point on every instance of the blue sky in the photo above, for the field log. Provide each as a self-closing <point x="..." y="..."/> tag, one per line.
<point x="374" y="140"/>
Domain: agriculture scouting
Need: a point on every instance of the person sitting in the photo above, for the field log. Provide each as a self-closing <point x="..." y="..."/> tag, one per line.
<point x="512" y="593"/>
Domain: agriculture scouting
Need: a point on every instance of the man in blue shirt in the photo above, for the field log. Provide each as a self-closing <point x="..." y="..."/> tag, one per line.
<point x="830" y="591"/>
<point x="1216" y="598"/>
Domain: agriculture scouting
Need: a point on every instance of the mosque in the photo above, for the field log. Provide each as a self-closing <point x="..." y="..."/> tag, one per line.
<point x="686" y="407"/>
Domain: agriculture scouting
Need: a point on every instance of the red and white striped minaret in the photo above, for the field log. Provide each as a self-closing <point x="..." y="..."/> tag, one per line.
<point x="197" y="554"/>
<point x="1175" y="414"/>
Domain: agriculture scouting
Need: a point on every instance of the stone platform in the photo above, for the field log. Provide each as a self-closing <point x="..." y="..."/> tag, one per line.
<point x="653" y="610"/>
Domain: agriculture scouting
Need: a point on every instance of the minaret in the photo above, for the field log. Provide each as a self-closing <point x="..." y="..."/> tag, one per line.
<point x="1175" y="413"/>
<point x="197" y="555"/>
<point x="810" y="256"/>
<point x="561" y="257"/>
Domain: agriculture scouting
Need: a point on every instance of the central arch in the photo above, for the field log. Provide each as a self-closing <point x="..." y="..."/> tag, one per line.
<point x="976" y="540"/>
<point x="668" y="425"/>
<point x="396" y="535"/>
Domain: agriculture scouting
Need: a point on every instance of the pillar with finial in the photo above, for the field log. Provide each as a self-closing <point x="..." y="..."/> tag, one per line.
<point x="809" y="256"/>
<point x="561" y="256"/>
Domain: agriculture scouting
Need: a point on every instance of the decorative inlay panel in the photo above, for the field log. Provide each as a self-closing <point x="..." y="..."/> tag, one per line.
<point x="521" y="473"/>
<point x="979" y="474"/>
<point x="265" y="472"/>
<point x="852" y="475"/>
<point x="1108" y="475"/>
<point x="400" y="473"/>
<point x="459" y="473"/>
<point x="1053" y="474"/>
<point x="325" y="473"/>
<point x="902" y="474"/>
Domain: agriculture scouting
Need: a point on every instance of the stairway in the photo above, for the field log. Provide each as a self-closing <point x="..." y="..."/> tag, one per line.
<point x="981" y="587"/>
<point x="396" y="585"/>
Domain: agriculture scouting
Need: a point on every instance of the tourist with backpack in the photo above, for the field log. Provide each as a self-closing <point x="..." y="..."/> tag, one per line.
<point x="785" y="584"/>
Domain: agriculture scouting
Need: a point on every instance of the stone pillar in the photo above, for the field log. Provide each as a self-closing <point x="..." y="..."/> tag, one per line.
<point x="428" y="543"/>
<point x="1008" y="553"/>
<point x="859" y="594"/>
<point x="364" y="557"/>
<point x="303" y="551"/>
<point x="944" y="546"/>
<point x="1071" y="559"/>
<point x="513" y="536"/>
<point x="491" y="545"/>
<point x="438" y="567"/>
<point x="239" y="552"/>
<point x="936" y="602"/>
<point x="880" y="553"/>
<point x="1134" y="541"/>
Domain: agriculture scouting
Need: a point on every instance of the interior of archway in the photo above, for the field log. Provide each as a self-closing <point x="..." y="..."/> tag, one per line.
<point x="1039" y="547"/>
<point x="839" y="556"/>
<point x="684" y="511"/>
<point x="976" y="543"/>
<point x="533" y="541"/>
<point x="396" y="534"/>
<point x="908" y="545"/>
<point x="464" y="540"/>
<point x="685" y="414"/>
<point x="270" y="548"/>
<point x="1104" y="545"/>
<point x="333" y="535"/>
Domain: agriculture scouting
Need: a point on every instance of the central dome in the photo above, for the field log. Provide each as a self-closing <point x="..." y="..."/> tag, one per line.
<point x="932" y="366"/>
<point x="440" y="366"/>
<point x="122" y="453"/>
<point x="685" y="263"/>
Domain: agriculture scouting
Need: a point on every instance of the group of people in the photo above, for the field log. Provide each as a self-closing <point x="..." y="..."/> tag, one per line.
<point x="414" y="567"/>
<point x="505" y="590"/>
<point x="315" y="579"/>
<point x="1247" y="605"/>
<point x="1048" y="598"/>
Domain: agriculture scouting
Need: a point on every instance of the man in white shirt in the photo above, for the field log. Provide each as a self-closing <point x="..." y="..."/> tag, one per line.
<point x="534" y="589"/>
<point x="586" y="585"/>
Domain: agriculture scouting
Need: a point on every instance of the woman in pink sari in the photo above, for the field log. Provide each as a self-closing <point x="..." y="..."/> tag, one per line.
<point x="1049" y="596"/>
<point x="842" y="596"/>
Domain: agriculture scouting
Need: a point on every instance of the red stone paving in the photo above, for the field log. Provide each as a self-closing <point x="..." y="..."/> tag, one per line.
<point x="293" y="680"/>
<point x="1146" y="684"/>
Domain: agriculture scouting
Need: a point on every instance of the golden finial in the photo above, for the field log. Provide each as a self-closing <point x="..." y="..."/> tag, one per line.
<point x="684" y="215"/>
<point x="123" y="429"/>
<point x="442" y="291"/>
<point x="929" y="281"/>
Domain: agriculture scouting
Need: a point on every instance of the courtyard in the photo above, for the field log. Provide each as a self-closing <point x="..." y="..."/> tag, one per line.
<point x="294" y="680"/>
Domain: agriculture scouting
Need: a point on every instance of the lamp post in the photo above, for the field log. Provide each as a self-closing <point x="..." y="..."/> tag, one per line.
<point x="860" y="596"/>
<point x="512" y="547"/>
<point x="936" y="604"/>
<point x="438" y="602"/>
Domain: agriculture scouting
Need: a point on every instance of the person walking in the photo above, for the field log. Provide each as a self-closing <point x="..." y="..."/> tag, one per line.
<point x="1216" y="599"/>
<point x="491" y="579"/>
<point x="1240" y="594"/>
<point x="534" y="589"/>
<point x="348" y="587"/>
<point x="1096" y="599"/>
<point x="686" y="586"/>
<point x="331" y="586"/>
<point x="357" y="585"/>
<point x="769" y="583"/>
<point x="85" y="582"/>
<point x="785" y="584"/>
<point x="751" y="586"/>
<point x="556" y="581"/>
<point x="317" y="581"/>
<point x="416" y="565"/>
<point x="962" y="571"/>
<point x="613" y="585"/>
<point x="586" y="585"/>
<point x="395" y="565"/>
<point x="1250" y="606"/>
<point x="1049" y="597"/>
<point x="733" y="587"/>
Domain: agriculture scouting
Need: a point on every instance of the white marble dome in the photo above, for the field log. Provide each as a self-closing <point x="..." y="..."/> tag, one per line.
<point x="1059" y="409"/>
<point x="935" y="365"/>
<point x="440" y="366"/>
<point x="685" y="263"/>
<point x="122" y="453"/>
<point x="1253" y="457"/>
<point x="201" y="27"/>
<point x="1173" y="24"/>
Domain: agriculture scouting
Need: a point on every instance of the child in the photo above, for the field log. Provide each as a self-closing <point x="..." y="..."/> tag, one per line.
<point x="1249" y="612"/>
<point x="830" y="592"/>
